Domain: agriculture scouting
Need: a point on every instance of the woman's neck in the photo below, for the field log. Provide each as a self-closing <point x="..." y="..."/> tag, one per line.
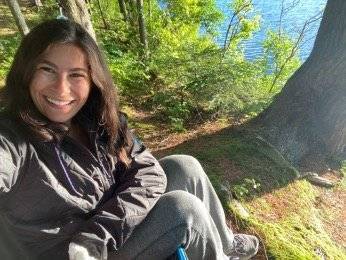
<point x="79" y="134"/>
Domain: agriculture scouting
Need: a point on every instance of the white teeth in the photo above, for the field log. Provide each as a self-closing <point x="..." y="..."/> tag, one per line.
<point x="58" y="102"/>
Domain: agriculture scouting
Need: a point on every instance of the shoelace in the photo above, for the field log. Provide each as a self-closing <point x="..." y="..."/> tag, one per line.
<point x="239" y="245"/>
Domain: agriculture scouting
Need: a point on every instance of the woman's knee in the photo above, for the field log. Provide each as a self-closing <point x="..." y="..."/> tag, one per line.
<point x="183" y="207"/>
<point x="184" y="167"/>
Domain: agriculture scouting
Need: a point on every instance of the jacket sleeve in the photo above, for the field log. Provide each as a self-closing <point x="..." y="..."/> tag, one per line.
<point x="9" y="165"/>
<point x="139" y="188"/>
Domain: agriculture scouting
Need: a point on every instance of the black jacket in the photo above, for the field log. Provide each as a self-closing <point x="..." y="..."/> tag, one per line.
<point x="54" y="193"/>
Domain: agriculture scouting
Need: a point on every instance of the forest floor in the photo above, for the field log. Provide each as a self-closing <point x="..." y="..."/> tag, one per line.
<point x="293" y="218"/>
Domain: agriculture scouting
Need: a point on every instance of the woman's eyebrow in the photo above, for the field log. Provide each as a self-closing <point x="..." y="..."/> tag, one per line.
<point x="55" y="66"/>
<point x="80" y="69"/>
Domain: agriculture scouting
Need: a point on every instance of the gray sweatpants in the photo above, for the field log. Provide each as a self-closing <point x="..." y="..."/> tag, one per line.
<point x="188" y="214"/>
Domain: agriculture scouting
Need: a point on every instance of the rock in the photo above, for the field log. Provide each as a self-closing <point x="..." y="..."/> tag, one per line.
<point x="313" y="178"/>
<point x="320" y="252"/>
<point x="305" y="175"/>
<point x="239" y="209"/>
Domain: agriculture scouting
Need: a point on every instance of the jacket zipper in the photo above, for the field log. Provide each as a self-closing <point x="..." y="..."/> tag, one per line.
<point x="104" y="183"/>
<point x="65" y="170"/>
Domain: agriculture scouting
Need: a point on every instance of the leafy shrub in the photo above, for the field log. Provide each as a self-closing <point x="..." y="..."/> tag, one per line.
<point x="246" y="188"/>
<point x="8" y="47"/>
<point x="185" y="72"/>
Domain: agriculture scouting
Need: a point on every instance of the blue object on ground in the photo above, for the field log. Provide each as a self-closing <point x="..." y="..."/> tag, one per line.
<point x="181" y="255"/>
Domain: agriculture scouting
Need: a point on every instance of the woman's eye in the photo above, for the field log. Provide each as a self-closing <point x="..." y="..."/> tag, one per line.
<point x="47" y="69"/>
<point x="76" y="75"/>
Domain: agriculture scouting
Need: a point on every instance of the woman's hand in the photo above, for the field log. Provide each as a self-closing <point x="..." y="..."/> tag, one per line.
<point x="78" y="252"/>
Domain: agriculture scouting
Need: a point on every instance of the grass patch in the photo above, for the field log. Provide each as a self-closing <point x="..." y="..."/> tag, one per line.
<point x="291" y="224"/>
<point x="7" y="22"/>
<point x="342" y="184"/>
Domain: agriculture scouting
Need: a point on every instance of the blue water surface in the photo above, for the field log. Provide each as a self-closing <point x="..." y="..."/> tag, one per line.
<point x="269" y="10"/>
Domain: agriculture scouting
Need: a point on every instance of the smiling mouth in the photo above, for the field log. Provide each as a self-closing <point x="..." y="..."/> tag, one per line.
<point x="58" y="102"/>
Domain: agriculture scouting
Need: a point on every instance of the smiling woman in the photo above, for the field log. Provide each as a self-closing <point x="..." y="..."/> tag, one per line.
<point x="76" y="184"/>
<point x="61" y="83"/>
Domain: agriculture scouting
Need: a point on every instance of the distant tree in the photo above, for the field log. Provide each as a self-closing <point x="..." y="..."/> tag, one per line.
<point x="278" y="38"/>
<point x="18" y="16"/>
<point x="133" y="14"/>
<point x="141" y="26"/>
<point x="123" y="9"/>
<point x="238" y="21"/>
<point x="77" y="11"/>
<point x="128" y="9"/>
<point x="105" y="24"/>
<point x="308" y="118"/>
<point x="36" y="2"/>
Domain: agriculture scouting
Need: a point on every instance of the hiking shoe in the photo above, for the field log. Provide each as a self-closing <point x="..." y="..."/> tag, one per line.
<point x="244" y="247"/>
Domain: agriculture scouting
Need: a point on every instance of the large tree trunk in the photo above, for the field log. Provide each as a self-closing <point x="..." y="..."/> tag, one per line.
<point x="77" y="11"/>
<point x="18" y="16"/>
<point x="309" y="116"/>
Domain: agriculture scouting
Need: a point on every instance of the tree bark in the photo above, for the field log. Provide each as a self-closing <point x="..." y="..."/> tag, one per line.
<point x="77" y="11"/>
<point x="18" y="16"/>
<point x="309" y="116"/>
<point x="149" y="11"/>
<point x="123" y="9"/>
<point x="105" y="24"/>
<point x="132" y="12"/>
<point x="36" y="3"/>
<point x="142" y="27"/>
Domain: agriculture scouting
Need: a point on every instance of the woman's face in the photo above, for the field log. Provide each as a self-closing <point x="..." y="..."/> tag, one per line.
<point x="61" y="82"/>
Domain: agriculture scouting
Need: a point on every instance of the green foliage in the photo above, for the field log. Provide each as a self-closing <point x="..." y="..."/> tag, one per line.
<point x="204" y="77"/>
<point x="106" y="14"/>
<point x="343" y="167"/>
<point x="280" y="59"/>
<point x="342" y="185"/>
<point x="129" y="72"/>
<point x="238" y="87"/>
<point x="247" y="187"/>
<point x="50" y="10"/>
<point x="174" y="106"/>
<point x="193" y="67"/>
<point x="242" y="24"/>
<point x="185" y="72"/>
<point x="202" y="13"/>
<point x="9" y="42"/>
<point x="8" y="47"/>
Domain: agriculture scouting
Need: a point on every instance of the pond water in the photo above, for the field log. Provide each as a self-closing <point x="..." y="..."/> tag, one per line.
<point x="270" y="10"/>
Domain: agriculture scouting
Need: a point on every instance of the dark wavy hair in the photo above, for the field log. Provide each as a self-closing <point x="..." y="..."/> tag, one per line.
<point x="102" y="104"/>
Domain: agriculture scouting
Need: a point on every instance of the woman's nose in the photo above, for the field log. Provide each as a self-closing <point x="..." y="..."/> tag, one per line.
<point x="62" y="84"/>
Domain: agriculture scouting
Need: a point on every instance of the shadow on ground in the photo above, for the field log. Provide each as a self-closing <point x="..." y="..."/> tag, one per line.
<point x="240" y="160"/>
